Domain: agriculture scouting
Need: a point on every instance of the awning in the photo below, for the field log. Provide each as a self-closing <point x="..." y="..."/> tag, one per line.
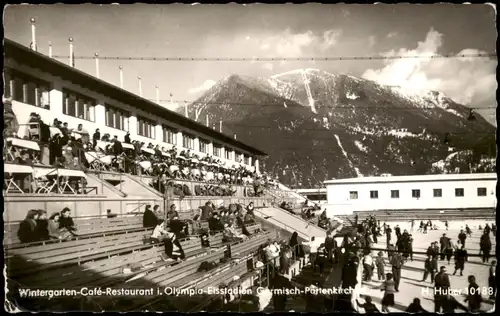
<point x="145" y="164"/>
<point x="148" y="150"/>
<point x="20" y="169"/>
<point x="23" y="143"/>
<point x="128" y="146"/>
<point x="41" y="172"/>
<point x="54" y="131"/>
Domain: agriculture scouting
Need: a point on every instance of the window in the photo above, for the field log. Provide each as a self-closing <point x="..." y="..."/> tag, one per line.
<point x="169" y="135"/>
<point x="78" y="105"/>
<point x="353" y="195"/>
<point x="117" y="118"/>
<point x="217" y="150"/>
<point x="145" y="127"/>
<point x="238" y="157"/>
<point x="373" y="194"/>
<point x="203" y="146"/>
<point x="395" y="194"/>
<point x="27" y="89"/>
<point x="438" y="193"/>
<point x="187" y="141"/>
<point x="415" y="193"/>
<point x="246" y="160"/>
<point x="481" y="191"/>
<point x="459" y="192"/>
<point x="228" y="154"/>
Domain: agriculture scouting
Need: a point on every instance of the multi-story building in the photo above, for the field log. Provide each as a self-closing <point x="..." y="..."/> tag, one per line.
<point x="52" y="89"/>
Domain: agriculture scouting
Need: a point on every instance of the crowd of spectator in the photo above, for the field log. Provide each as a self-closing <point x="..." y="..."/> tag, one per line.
<point x="37" y="227"/>
<point x="75" y="149"/>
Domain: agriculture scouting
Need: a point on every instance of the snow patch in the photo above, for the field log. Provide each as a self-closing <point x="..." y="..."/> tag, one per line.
<point x="360" y="146"/>
<point x="356" y="169"/>
<point x="352" y="96"/>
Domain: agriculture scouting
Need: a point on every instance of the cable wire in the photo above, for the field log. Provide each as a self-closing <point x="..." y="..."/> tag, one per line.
<point x="267" y="59"/>
<point x="353" y="107"/>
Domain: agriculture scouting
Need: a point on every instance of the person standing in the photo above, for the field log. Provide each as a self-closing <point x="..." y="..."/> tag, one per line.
<point x="388" y="232"/>
<point x="429" y="268"/>
<point x="397" y="264"/>
<point x="389" y="289"/>
<point x="443" y="241"/>
<point x="460" y="258"/>
<point x="368" y="266"/>
<point x="380" y="263"/>
<point x="462" y="237"/>
<point x="491" y="280"/>
<point x="441" y="289"/>
<point x="473" y="295"/>
<point x="485" y="245"/>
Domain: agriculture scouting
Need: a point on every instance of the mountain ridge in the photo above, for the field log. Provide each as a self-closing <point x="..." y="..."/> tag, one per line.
<point x="316" y="125"/>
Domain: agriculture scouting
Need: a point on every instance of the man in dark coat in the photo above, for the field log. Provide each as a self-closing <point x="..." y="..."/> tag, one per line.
<point x="149" y="219"/>
<point x="462" y="237"/>
<point x="485" y="246"/>
<point x="460" y="258"/>
<point x="441" y="288"/>
<point x="127" y="138"/>
<point x="444" y="242"/>
<point x="397" y="264"/>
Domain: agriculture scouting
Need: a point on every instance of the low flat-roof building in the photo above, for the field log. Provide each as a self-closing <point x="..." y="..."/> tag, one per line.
<point x="440" y="192"/>
<point x="52" y="89"/>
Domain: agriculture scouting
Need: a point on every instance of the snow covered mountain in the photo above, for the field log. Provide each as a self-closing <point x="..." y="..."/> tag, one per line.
<point x="317" y="126"/>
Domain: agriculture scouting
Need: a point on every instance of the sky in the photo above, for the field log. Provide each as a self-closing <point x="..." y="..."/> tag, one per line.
<point x="271" y="31"/>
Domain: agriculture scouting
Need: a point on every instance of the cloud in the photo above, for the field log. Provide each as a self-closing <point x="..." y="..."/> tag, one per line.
<point x="392" y="34"/>
<point x="204" y="87"/>
<point x="291" y="45"/>
<point x="268" y="66"/>
<point x="470" y="81"/>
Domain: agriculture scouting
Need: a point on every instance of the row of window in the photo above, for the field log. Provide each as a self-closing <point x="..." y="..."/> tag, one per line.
<point x="27" y="89"/>
<point x="459" y="192"/>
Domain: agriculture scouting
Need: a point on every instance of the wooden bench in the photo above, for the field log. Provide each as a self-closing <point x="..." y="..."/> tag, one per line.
<point x="37" y="258"/>
<point x="108" y="271"/>
<point x="87" y="228"/>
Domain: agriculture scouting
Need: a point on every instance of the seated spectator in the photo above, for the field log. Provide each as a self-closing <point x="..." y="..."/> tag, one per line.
<point x="214" y="223"/>
<point x="66" y="221"/>
<point x="160" y="231"/>
<point x="272" y="251"/>
<point x="109" y="214"/>
<point x="42" y="230"/>
<point x="53" y="227"/>
<point x="27" y="228"/>
<point x="149" y="219"/>
<point x="177" y="227"/>
<point x="172" y="212"/>
<point x="230" y="234"/>
<point x="250" y="208"/>
<point x="156" y="210"/>
<point x="173" y="248"/>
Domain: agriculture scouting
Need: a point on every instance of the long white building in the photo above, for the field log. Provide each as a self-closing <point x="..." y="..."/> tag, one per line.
<point x="39" y="84"/>
<point x="440" y="192"/>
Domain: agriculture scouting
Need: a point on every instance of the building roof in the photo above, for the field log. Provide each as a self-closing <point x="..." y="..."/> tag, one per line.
<point x="419" y="178"/>
<point x="34" y="59"/>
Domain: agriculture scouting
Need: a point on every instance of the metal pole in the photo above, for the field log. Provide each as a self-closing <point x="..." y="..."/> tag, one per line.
<point x="121" y="77"/>
<point x="33" y="34"/>
<point x="157" y="94"/>
<point x="50" y="49"/>
<point x="140" y="86"/>
<point x="71" y="51"/>
<point x="96" y="54"/>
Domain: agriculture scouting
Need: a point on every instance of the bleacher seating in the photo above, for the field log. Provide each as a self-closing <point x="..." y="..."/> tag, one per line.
<point x="406" y="215"/>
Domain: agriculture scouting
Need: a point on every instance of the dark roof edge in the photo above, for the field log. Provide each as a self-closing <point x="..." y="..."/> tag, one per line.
<point x="18" y="51"/>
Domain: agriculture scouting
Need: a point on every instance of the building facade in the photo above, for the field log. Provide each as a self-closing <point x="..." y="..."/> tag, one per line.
<point x="52" y="89"/>
<point x="441" y="192"/>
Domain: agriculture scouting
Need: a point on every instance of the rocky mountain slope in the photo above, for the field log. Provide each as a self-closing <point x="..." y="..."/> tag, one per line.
<point x="317" y="126"/>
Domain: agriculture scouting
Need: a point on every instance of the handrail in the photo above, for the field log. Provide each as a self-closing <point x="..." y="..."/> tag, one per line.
<point x="299" y="217"/>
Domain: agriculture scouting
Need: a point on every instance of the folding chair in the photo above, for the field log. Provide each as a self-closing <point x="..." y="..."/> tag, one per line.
<point x="9" y="183"/>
